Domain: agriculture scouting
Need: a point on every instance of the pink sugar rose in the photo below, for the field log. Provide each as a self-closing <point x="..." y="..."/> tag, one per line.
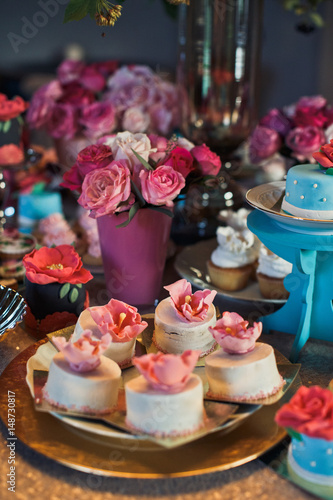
<point x="97" y="118"/>
<point x="264" y="142"/>
<point x="62" y="122"/>
<point x="209" y="162"/>
<point x="190" y="307"/>
<point x="180" y="160"/>
<point x="135" y="120"/>
<point x="69" y="71"/>
<point x="161" y="186"/>
<point x="232" y="333"/>
<point x="90" y="158"/>
<point x="167" y="372"/>
<point x="84" y="354"/>
<point x="123" y="144"/>
<point x="325" y="156"/>
<point x="120" y="320"/>
<point x="107" y="190"/>
<point x="310" y="111"/>
<point x="309" y="412"/>
<point x="303" y="141"/>
<point x="92" y="79"/>
<point x="60" y="264"/>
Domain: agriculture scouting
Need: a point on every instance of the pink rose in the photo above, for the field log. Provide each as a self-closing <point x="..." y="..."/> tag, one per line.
<point x="69" y="71"/>
<point x="90" y="158"/>
<point x="309" y="412"/>
<point x="180" y="160"/>
<point x="232" y="333"/>
<point x="209" y="162"/>
<point x="190" y="307"/>
<point x="97" y="118"/>
<point x="264" y="142"/>
<point x="10" y="154"/>
<point x="106" y="68"/>
<point x="123" y="144"/>
<point x="161" y="118"/>
<point x="135" y="120"/>
<point x="305" y="141"/>
<point x="76" y="96"/>
<point x="60" y="264"/>
<point x="277" y="120"/>
<point x="62" y="122"/>
<point x="42" y="103"/>
<point x="325" y="155"/>
<point x="310" y="111"/>
<point x="160" y="145"/>
<point x="107" y="190"/>
<point x="167" y="372"/>
<point x="161" y="186"/>
<point x="120" y="320"/>
<point x="92" y="79"/>
<point x="83" y="355"/>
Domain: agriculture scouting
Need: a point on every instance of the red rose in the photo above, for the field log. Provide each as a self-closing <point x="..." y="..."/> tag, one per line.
<point x="60" y="264"/>
<point x="11" y="109"/>
<point x="309" y="412"/>
<point x="180" y="160"/>
<point x="62" y="122"/>
<point x="10" y="154"/>
<point x="75" y="95"/>
<point x="325" y="155"/>
<point x="209" y="162"/>
<point x="90" y="158"/>
<point x="310" y="111"/>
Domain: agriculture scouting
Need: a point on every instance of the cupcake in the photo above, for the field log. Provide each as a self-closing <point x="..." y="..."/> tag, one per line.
<point x="15" y="245"/>
<point x="271" y="272"/>
<point x="233" y="261"/>
<point x="235" y="219"/>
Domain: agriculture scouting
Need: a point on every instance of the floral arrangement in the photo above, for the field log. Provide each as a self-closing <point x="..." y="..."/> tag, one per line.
<point x="309" y="412"/>
<point x="167" y="372"/>
<point x="126" y="172"/>
<point x="92" y="100"/>
<point x="295" y="131"/>
<point x="234" y="335"/>
<point x="190" y="307"/>
<point x="10" y="109"/>
<point x="84" y="354"/>
<point x="120" y="320"/>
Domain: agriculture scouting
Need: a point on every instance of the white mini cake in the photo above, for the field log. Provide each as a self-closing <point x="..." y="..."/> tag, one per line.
<point x="238" y="377"/>
<point x="94" y="391"/>
<point x="174" y="335"/>
<point x="120" y="352"/>
<point x="155" y="412"/>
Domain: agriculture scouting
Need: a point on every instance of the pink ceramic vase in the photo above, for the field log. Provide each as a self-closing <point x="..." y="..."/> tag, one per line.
<point x="134" y="256"/>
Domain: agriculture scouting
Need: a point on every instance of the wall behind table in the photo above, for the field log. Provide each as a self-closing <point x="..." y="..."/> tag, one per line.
<point x="291" y="61"/>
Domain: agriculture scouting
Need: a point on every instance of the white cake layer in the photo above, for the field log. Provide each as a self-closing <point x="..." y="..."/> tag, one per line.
<point x="159" y="413"/>
<point x="243" y="376"/>
<point x="119" y="352"/>
<point x="174" y="335"/>
<point x="96" y="390"/>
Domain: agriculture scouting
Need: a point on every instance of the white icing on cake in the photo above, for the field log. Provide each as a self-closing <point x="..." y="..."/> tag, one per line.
<point x="247" y="376"/>
<point x="174" y="335"/>
<point x="272" y="265"/>
<point x="159" y="413"/>
<point x="120" y="352"/>
<point x="235" y="248"/>
<point x="237" y="220"/>
<point x="95" y="391"/>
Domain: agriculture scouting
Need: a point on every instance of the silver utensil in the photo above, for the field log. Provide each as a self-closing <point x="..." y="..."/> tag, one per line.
<point x="12" y="309"/>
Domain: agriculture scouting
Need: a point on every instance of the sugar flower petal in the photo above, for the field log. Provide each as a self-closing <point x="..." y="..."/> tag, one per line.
<point x="190" y="307"/>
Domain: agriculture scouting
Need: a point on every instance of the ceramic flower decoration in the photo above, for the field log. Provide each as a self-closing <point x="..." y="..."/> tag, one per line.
<point x="234" y="335"/>
<point x="309" y="412"/>
<point x="120" y="320"/>
<point x="325" y="156"/>
<point x="190" y="307"/>
<point x="84" y="354"/>
<point x="167" y="372"/>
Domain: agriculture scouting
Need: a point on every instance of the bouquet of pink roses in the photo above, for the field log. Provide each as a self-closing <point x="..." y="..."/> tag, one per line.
<point x="125" y="172"/>
<point x="294" y="131"/>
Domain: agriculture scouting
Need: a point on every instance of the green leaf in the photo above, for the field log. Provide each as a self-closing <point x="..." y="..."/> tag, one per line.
<point x="163" y="210"/>
<point x="316" y="19"/>
<point x="6" y="126"/>
<point x="79" y="285"/>
<point x="133" y="210"/>
<point x="64" y="290"/>
<point x="1" y="126"/>
<point x="137" y="192"/>
<point x="294" y="434"/>
<point x="142" y="160"/>
<point x="76" y="10"/>
<point x="92" y="8"/>
<point x="329" y="171"/>
<point x="73" y="295"/>
<point x="20" y="120"/>
<point x="171" y="10"/>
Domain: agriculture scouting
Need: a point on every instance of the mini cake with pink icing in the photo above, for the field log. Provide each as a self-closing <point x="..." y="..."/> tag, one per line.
<point x="118" y="319"/>
<point x="166" y="399"/>
<point x="55" y="230"/>
<point x="308" y="418"/>
<point x="242" y="370"/>
<point x="182" y="320"/>
<point x="81" y="378"/>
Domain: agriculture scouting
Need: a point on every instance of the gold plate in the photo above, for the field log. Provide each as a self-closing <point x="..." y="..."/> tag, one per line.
<point x="89" y="452"/>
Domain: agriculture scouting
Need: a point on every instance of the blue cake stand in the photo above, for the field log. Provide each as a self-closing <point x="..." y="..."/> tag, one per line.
<point x="308" y="311"/>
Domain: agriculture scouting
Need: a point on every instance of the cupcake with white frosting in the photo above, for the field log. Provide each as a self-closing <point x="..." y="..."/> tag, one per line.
<point x="236" y="219"/>
<point x="271" y="272"/>
<point x="232" y="262"/>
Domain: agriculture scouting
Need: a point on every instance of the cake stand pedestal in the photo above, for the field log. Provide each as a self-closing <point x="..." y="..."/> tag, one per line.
<point x="308" y="311"/>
